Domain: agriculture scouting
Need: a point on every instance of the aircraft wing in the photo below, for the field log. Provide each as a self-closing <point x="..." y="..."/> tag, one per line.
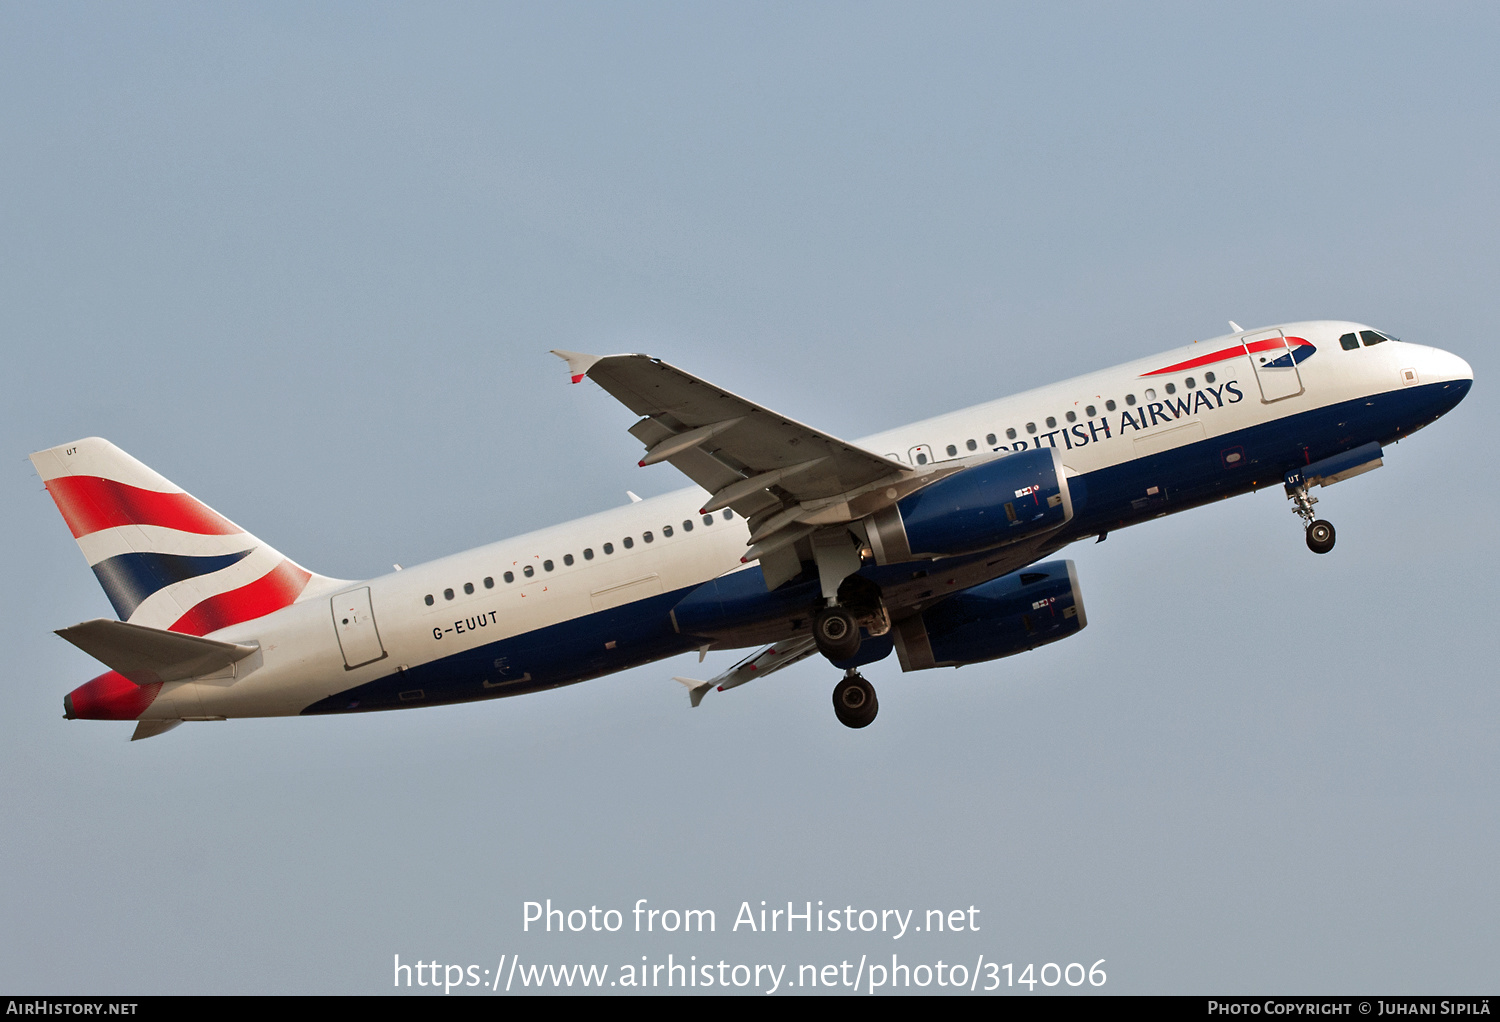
<point x="788" y="479"/>
<point x="758" y="664"/>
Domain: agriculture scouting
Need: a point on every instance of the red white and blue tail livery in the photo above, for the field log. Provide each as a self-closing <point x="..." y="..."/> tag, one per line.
<point x="164" y="558"/>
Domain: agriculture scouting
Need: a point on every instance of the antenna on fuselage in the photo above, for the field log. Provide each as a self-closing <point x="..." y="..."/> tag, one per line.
<point x="1236" y="327"/>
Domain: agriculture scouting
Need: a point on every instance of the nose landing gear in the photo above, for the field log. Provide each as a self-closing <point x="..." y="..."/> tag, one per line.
<point x="854" y="701"/>
<point x="1320" y="534"/>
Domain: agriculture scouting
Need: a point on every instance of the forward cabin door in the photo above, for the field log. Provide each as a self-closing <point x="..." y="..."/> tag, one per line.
<point x="354" y="622"/>
<point x="1275" y="367"/>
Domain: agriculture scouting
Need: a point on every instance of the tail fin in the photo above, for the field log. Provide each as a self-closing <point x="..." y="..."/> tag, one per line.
<point x="165" y="559"/>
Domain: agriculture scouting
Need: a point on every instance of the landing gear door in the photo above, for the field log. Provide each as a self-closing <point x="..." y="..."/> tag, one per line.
<point x="354" y="622"/>
<point x="1275" y="366"/>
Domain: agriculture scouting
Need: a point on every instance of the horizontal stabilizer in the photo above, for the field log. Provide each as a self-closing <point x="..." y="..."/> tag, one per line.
<point x="578" y="363"/>
<point x="152" y="728"/>
<point x="696" y="689"/>
<point x="147" y="655"/>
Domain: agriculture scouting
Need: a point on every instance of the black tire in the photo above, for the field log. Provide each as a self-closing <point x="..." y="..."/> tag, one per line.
<point x="836" y="633"/>
<point x="1320" y="537"/>
<point x="854" y="702"/>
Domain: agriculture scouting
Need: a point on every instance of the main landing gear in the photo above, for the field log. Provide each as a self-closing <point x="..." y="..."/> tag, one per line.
<point x="854" y="701"/>
<point x="1320" y="534"/>
<point x="839" y="629"/>
<point x="836" y="632"/>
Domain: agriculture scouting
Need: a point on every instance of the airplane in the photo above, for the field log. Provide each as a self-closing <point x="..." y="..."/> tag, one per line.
<point x="931" y="541"/>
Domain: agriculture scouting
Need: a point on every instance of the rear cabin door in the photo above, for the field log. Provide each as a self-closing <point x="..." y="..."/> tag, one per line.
<point x="354" y="622"/>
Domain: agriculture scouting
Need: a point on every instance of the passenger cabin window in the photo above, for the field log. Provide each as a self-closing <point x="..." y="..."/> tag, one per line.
<point x="647" y="537"/>
<point x="1051" y="422"/>
<point x="1130" y="399"/>
<point x="1031" y="427"/>
<point x="588" y="553"/>
<point x="1209" y="377"/>
<point x="666" y="530"/>
<point x="609" y="548"/>
<point x="1109" y="405"/>
<point x="1190" y="383"/>
<point x="568" y="559"/>
<point x="447" y="594"/>
<point x="1171" y="388"/>
<point x="509" y="577"/>
<point x="1089" y="411"/>
<point x="728" y="514"/>
<point x="546" y="565"/>
<point x="428" y="599"/>
<point x="628" y="541"/>
<point x="687" y="525"/>
<point x="489" y="583"/>
<point x="1010" y="434"/>
<point x="1071" y="416"/>
<point x="528" y="571"/>
<point x="952" y="451"/>
<point x="971" y="445"/>
<point x="991" y="439"/>
<point x="468" y="588"/>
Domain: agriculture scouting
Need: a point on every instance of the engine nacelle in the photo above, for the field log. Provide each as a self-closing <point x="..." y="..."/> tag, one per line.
<point x="1010" y="615"/>
<point x="1011" y="498"/>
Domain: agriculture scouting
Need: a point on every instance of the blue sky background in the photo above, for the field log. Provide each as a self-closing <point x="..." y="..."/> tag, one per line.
<point x="307" y="262"/>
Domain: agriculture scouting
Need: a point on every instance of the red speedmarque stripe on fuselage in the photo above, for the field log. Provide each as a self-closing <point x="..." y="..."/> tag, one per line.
<point x="1228" y="353"/>
<point x="90" y="504"/>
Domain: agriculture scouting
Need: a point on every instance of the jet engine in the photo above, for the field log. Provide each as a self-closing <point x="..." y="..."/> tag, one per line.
<point x="988" y="505"/>
<point x="1012" y="614"/>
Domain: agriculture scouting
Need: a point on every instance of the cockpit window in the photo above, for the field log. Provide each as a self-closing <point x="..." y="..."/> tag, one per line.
<point x="1349" y="342"/>
<point x="1374" y="337"/>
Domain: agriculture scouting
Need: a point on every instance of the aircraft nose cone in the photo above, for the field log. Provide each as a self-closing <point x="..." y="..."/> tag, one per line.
<point x="1448" y="366"/>
<point x="1451" y="376"/>
<point x="1443" y="366"/>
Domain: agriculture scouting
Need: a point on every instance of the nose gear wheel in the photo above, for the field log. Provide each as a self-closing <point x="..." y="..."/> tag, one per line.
<point x="1320" y="536"/>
